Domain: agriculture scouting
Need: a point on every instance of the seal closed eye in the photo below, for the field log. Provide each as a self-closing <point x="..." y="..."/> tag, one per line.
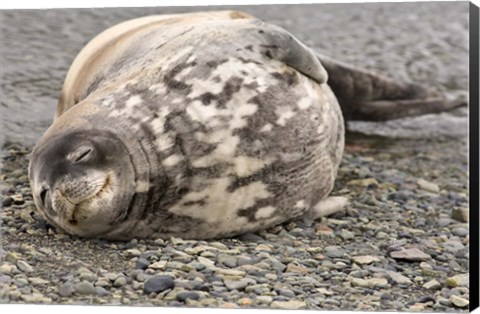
<point x="203" y="125"/>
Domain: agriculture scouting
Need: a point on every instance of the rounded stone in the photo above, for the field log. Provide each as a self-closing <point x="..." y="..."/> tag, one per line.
<point x="333" y="251"/>
<point x="158" y="284"/>
<point x="87" y="276"/>
<point x="120" y="281"/>
<point x="24" y="266"/>
<point x="239" y="284"/>
<point x="461" y="280"/>
<point x="8" y="269"/>
<point x="85" y="287"/>
<point x="264" y="299"/>
<point x="245" y="260"/>
<point x="102" y="291"/>
<point x="459" y="301"/>
<point x="184" y="295"/>
<point x="290" y="305"/>
<point x="8" y="201"/>
<point x="66" y="290"/>
<point x="227" y="260"/>
<point x="102" y="283"/>
<point x="460" y="231"/>
<point x="461" y="214"/>
<point x="142" y="263"/>
<point x="21" y="282"/>
<point x="286" y="293"/>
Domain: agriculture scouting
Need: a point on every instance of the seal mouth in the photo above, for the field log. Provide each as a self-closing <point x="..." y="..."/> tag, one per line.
<point x="77" y="207"/>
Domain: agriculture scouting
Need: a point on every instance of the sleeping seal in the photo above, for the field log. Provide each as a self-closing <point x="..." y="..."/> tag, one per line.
<point x="202" y="126"/>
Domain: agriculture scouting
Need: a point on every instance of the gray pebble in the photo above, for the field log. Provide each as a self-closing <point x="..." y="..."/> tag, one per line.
<point x="239" y="284"/>
<point x="102" y="283"/>
<point x="425" y="299"/>
<point x="438" y="307"/>
<point x="461" y="280"/>
<point x="346" y="235"/>
<point x="142" y="263"/>
<point x="443" y="221"/>
<point x="101" y="291"/>
<point x="286" y="293"/>
<point x="453" y="246"/>
<point x="198" y="266"/>
<point x="361" y="273"/>
<point x="276" y="264"/>
<point x="459" y="301"/>
<point x="134" y="273"/>
<point x="428" y="186"/>
<point x="21" y="282"/>
<point x="4" y="279"/>
<point x="67" y="289"/>
<point x="120" y="281"/>
<point x="291" y="305"/>
<point x="85" y="287"/>
<point x="333" y="251"/>
<point x="460" y="231"/>
<point x="142" y="277"/>
<point x="227" y="260"/>
<point x="264" y="299"/>
<point x="281" y="298"/>
<point x="184" y="295"/>
<point x="112" y="276"/>
<point x="333" y="302"/>
<point x="412" y="254"/>
<point x="432" y="285"/>
<point x="245" y="260"/>
<point x="444" y="301"/>
<point x="251" y="237"/>
<point x="24" y="266"/>
<point x="8" y="269"/>
<point x="399" y="278"/>
<point x="8" y="201"/>
<point x="158" y="284"/>
<point x="461" y="214"/>
<point x="134" y="252"/>
<point x="88" y="277"/>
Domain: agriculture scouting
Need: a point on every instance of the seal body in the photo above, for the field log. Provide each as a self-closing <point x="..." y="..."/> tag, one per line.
<point x="199" y="126"/>
<point x="204" y="125"/>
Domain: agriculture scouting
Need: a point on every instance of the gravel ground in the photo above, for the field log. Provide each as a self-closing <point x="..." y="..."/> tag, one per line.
<point x="402" y="244"/>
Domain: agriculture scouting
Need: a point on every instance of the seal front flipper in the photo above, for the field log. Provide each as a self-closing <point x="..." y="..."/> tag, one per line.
<point x="327" y="206"/>
<point x="278" y="44"/>
<point x="368" y="96"/>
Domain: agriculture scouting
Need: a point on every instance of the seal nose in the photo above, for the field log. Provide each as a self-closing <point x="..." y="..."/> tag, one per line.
<point x="43" y="194"/>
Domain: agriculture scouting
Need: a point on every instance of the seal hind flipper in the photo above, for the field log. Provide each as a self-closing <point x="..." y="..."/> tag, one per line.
<point x="383" y="110"/>
<point x="368" y="96"/>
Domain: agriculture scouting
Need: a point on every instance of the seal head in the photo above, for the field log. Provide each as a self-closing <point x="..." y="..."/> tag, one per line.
<point x="78" y="177"/>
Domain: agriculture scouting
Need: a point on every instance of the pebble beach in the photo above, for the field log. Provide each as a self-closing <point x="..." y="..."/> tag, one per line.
<point x="402" y="243"/>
